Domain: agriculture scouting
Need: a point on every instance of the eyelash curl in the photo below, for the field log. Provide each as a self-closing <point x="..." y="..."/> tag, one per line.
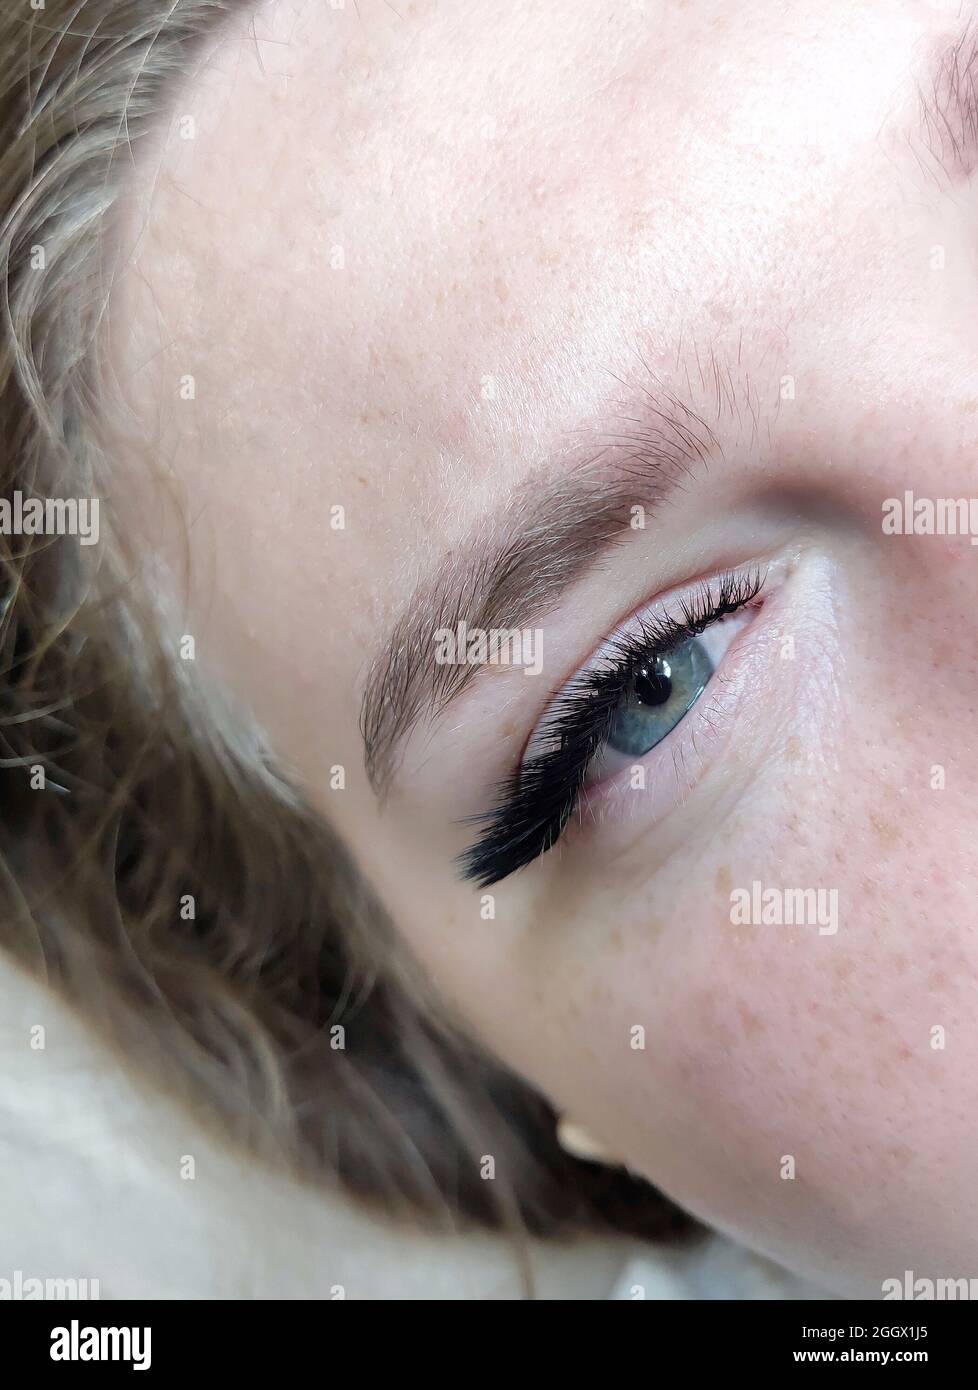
<point x="536" y="801"/>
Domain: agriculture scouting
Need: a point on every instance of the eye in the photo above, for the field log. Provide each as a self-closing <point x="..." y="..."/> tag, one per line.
<point x="640" y="685"/>
<point x="662" y="691"/>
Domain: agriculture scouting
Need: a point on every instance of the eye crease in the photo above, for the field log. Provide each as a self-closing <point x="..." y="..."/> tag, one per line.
<point x="644" y="681"/>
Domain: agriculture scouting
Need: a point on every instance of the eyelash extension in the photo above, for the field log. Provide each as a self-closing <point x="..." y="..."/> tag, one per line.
<point x="536" y="801"/>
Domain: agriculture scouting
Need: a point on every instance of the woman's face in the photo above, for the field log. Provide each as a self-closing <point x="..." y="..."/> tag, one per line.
<point x="580" y="321"/>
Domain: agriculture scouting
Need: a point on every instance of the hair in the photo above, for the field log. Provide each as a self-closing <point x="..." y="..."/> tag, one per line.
<point x="156" y="867"/>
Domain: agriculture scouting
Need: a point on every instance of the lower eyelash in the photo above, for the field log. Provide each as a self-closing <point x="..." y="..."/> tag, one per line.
<point x="535" y="803"/>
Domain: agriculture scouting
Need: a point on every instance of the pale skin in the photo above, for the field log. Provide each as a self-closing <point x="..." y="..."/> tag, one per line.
<point x="543" y="209"/>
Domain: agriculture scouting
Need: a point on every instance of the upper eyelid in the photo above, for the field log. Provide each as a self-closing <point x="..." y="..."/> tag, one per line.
<point x="677" y="603"/>
<point x="670" y="620"/>
<point x="632" y="639"/>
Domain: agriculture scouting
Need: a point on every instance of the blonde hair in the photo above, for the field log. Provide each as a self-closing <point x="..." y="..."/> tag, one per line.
<point x="155" y="867"/>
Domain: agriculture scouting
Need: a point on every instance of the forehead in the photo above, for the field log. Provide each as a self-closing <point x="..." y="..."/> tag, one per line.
<point x="402" y="254"/>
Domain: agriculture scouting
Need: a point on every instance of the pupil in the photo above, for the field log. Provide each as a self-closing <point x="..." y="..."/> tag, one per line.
<point x="653" y="684"/>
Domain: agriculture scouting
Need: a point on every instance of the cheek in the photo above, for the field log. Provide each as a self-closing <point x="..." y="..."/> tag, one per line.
<point x="810" y="1090"/>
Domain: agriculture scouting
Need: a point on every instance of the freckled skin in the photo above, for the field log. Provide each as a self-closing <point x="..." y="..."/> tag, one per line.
<point x="524" y="204"/>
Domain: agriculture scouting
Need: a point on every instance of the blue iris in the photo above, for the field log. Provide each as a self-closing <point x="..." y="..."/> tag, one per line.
<point x="660" y="693"/>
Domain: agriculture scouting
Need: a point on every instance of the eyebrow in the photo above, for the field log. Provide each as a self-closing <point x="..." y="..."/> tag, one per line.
<point x="561" y="523"/>
<point x="565" y="519"/>
<point x="948" y="104"/>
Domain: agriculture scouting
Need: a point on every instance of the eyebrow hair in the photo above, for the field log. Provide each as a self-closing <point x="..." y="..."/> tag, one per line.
<point x="948" y="104"/>
<point x="562" y="522"/>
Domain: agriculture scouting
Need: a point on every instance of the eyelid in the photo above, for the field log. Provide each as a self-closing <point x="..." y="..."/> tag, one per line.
<point x="535" y="802"/>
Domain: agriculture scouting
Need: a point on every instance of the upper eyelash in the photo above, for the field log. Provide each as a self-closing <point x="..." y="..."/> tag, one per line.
<point x="535" y="802"/>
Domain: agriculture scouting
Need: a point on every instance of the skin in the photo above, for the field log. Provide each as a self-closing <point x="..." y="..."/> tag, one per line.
<point x="541" y="214"/>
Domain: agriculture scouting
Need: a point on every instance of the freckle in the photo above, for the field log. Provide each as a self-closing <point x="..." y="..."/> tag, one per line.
<point x="751" y="1021"/>
<point x="885" y="829"/>
<point x="615" y="938"/>
<point x="843" y="970"/>
<point x="723" y="880"/>
<point x="969" y="407"/>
